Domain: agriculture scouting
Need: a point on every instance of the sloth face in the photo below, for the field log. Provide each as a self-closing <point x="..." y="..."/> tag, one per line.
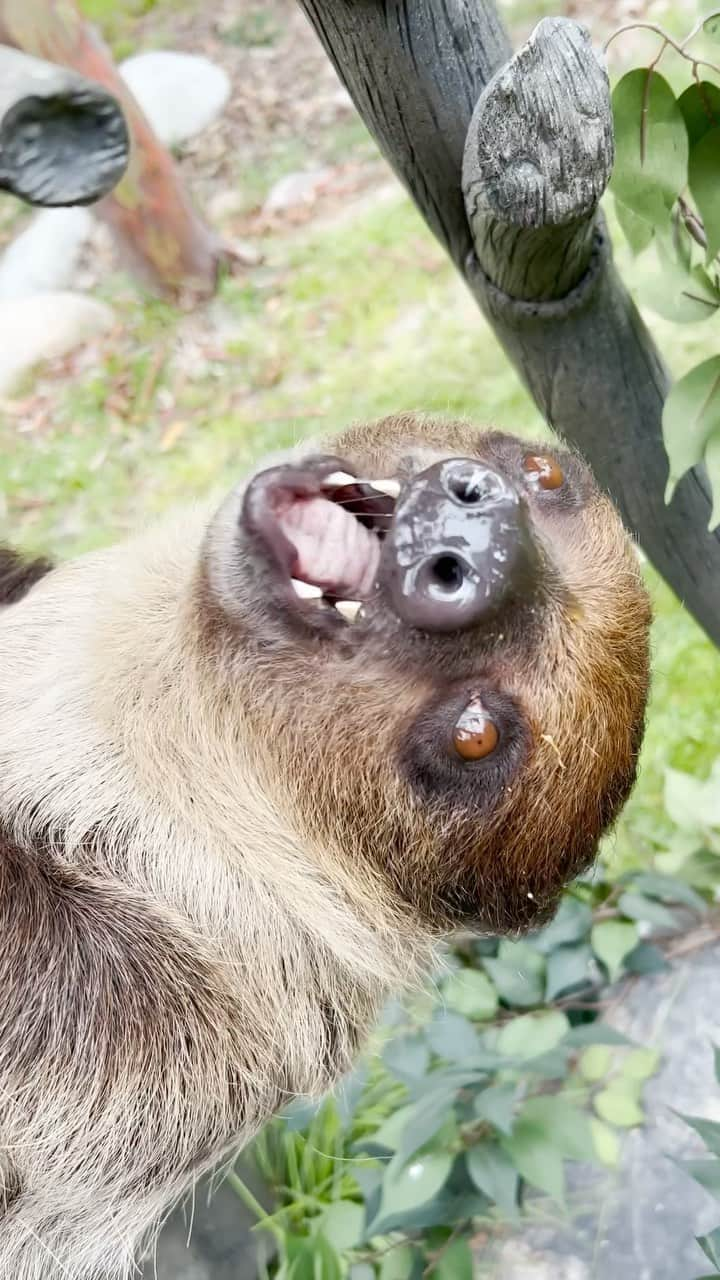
<point x="441" y="637"/>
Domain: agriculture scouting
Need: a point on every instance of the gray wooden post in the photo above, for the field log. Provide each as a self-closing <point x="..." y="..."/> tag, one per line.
<point x="506" y="158"/>
<point x="63" y="139"/>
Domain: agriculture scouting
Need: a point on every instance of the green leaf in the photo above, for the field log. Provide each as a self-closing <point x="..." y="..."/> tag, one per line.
<point x="549" y="1066"/>
<point x="680" y="292"/>
<point x="497" y="1105"/>
<point x="704" y="177"/>
<point x="595" y="1062"/>
<point x="398" y="1264"/>
<point x="691" y="421"/>
<point x="641" y="1064"/>
<point x="638" y="907"/>
<point x="493" y="1172"/>
<point x="470" y="992"/>
<point x="391" y="1130"/>
<point x="668" y="889"/>
<point x="709" y="1131"/>
<point x="456" y="1263"/>
<point x="315" y="1260"/>
<point x="453" y="1038"/>
<point x="637" y="231"/>
<point x="606" y="1143"/>
<point x="407" y="1057"/>
<point x="532" y="1034"/>
<point x="568" y="967"/>
<point x="427" y="1117"/>
<point x="700" y="106"/>
<point x="711" y="27"/>
<point x="555" y="1117"/>
<point x="645" y="958"/>
<point x="361" y="1271"/>
<point x="716" y="1057"/>
<point x="611" y="941"/>
<point x="413" y="1184"/>
<point x="651" y="146"/>
<point x="596" y="1032"/>
<point x="518" y="973"/>
<point x="342" y="1224"/>
<point x="571" y="923"/>
<point x="618" y="1107"/>
<point x="537" y="1159"/>
<point x="706" y="1172"/>
<point x="710" y="1246"/>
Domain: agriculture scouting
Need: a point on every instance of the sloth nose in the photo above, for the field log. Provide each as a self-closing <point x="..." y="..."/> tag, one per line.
<point x="460" y="548"/>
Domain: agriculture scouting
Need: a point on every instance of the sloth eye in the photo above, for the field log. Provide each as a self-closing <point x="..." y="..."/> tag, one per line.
<point x="543" y="470"/>
<point x="475" y="735"/>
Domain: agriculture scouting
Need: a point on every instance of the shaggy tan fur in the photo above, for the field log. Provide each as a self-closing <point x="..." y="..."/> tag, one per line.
<point x="215" y="865"/>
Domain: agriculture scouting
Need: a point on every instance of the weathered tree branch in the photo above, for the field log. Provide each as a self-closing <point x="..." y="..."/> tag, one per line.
<point x="539" y="154"/>
<point x="532" y="247"/>
<point x="63" y="139"/>
<point x="414" y="71"/>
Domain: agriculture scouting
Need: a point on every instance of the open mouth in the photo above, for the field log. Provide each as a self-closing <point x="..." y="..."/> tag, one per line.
<point x="326" y="528"/>
<point x="448" y="552"/>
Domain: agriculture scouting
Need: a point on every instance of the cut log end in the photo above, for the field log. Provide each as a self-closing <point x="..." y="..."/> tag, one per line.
<point x="539" y="149"/>
<point x="65" y="148"/>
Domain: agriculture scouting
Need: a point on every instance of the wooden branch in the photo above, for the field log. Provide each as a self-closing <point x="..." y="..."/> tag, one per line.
<point x="414" y="71"/>
<point x="63" y="140"/>
<point x="538" y="156"/>
<point x="531" y="244"/>
<point x="149" y="211"/>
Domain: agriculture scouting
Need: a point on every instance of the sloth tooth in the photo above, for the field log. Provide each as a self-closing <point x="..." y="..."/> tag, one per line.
<point x="305" y="590"/>
<point x="340" y="479"/>
<point x="389" y="487"/>
<point x="349" y="608"/>
<point x="337" y="479"/>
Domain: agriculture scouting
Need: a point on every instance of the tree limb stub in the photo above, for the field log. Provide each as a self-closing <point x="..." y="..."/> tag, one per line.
<point x="531" y="245"/>
<point x="538" y="157"/>
<point x="63" y="139"/>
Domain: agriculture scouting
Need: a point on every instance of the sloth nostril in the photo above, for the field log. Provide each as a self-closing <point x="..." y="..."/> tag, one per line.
<point x="475" y="485"/>
<point x="448" y="573"/>
<point x="466" y="489"/>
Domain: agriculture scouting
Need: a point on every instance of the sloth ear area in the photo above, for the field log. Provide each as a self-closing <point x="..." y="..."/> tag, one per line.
<point x="19" y="573"/>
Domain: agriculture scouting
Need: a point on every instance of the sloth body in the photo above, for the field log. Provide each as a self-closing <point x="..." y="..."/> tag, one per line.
<point x="232" y="822"/>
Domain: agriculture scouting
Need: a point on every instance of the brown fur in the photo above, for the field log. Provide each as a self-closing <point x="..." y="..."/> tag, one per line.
<point x="18" y="575"/>
<point x="224" y="840"/>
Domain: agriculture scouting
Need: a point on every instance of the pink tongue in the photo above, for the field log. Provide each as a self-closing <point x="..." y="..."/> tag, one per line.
<point x="333" y="549"/>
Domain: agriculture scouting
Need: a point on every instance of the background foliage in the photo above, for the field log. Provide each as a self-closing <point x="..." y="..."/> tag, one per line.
<point x="666" y="184"/>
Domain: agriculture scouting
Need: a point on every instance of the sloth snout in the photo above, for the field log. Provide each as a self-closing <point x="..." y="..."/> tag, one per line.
<point x="461" y="547"/>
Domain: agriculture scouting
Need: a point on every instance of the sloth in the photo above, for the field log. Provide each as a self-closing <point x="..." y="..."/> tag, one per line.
<point x="255" y="765"/>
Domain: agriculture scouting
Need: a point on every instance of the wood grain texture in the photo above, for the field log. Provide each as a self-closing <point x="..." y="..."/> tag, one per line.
<point x="415" y="69"/>
<point x="538" y="157"/>
<point x="531" y="244"/>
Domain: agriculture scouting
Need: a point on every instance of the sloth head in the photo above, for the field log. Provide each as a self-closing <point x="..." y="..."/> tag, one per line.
<point x="439" y="638"/>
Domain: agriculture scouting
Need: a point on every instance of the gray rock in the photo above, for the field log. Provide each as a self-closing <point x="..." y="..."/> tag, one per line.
<point x="641" y="1223"/>
<point x="295" y="189"/>
<point x="44" y="326"/>
<point x="516" y="1261"/>
<point x="45" y="256"/>
<point x="208" y="1238"/>
<point x="180" y="93"/>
